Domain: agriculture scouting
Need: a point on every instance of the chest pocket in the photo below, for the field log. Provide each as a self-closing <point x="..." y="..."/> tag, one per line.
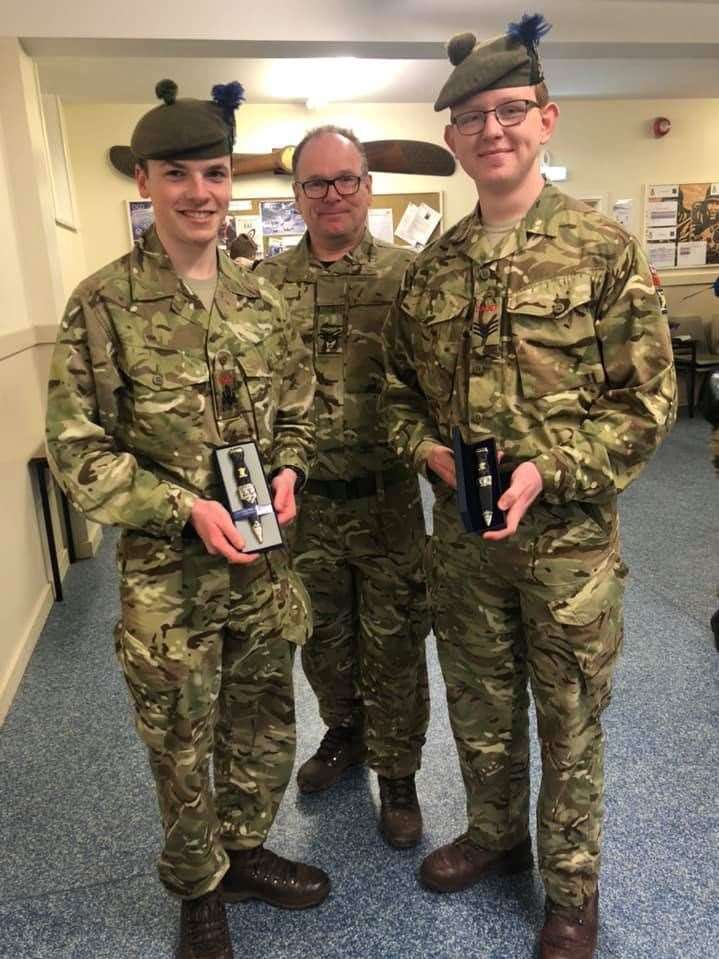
<point x="441" y="318"/>
<point x="555" y="342"/>
<point x="160" y="347"/>
<point x="152" y="367"/>
<point x="258" y="379"/>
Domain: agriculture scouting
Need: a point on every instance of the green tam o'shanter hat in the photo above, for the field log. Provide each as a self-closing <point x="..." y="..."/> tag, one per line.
<point x="188" y="129"/>
<point x="511" y="60"/>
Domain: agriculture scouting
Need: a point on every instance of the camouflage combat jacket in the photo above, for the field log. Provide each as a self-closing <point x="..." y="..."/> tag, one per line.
<point x="145" y="384"/>
<point x="551" y="342"/>
<point x="340" y="310"/>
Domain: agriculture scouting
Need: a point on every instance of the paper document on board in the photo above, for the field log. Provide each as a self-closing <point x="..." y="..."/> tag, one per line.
<point x="381" y="224"/>
<point x="417" y="224"/>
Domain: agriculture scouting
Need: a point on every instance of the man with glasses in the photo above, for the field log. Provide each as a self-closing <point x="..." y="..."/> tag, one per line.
<point x="360" y="534"/>
<point x="534" y="321"/>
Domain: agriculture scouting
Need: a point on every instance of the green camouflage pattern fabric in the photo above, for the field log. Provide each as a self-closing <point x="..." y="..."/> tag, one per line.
<point x="360" y="559"/>
<point x="144" y="385"/>
<point x="362" y="563"/>
<point x="545" y="605"/>
<point x="204" y="651"/>
<point x="339" y="311"/>
<point x="553" y="343"/>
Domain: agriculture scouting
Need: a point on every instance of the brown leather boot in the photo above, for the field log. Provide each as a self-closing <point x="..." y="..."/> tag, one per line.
<point x="340" y="749"/>
<point x="460" y="864"/>
<point x="400" y="816"/>
<point x="261" y="874"/>
<point x="203" y="929"/>
<point x="570" y="932"/>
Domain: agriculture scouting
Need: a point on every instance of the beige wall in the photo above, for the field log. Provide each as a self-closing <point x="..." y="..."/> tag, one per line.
<point x="24" y="572"/>
<point x="73" y="263"/>
<point x="40" y="263"/>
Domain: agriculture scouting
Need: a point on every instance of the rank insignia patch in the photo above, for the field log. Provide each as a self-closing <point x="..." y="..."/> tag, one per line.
<point x="329" y="339"/>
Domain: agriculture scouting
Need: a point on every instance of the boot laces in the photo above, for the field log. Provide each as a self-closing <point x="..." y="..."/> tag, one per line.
<point x="400" y="792"/>
<point x="207" y="924"/>
<point x="268" y="866"/>
<point x="573" y="914"/>
<point x="332" y="742"/>
<point x="469" y="850"/>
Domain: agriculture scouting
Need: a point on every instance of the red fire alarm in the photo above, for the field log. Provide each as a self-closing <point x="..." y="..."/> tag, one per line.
<point x="661" y="126"/>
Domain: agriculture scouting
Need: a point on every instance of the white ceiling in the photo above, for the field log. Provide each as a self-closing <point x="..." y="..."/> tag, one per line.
<point x="283" y="50"/>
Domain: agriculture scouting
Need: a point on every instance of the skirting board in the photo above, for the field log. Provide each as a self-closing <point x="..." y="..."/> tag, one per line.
<point x="10" y="681"/>
<point x="87" y="548"/>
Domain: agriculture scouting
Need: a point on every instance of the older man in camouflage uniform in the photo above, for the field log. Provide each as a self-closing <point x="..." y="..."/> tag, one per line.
<point x="533" y="320"/>
<point x="360" y="536"/>
<point x="163" y="356"/>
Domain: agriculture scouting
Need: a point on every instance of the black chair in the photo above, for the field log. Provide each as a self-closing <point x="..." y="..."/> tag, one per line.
<point x="41" y="470"/>
<point x="694" y="341"/>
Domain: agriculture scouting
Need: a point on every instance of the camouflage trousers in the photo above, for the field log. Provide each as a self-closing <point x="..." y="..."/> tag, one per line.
<point x="362" y="563"/>
<point x="205" y="654"/>
<point x="543" y="606"/>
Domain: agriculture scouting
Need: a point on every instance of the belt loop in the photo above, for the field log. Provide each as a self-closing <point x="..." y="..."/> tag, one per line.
<point x="379" y="486"/>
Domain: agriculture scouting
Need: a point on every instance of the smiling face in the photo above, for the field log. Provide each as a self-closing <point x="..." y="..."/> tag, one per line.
<point x="190" y="199"/>
<point x="502" y="160"/>
<point x="334" y="222"/>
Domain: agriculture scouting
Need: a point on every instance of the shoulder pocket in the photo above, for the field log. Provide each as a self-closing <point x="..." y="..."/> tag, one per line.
<point x="552" y="326"/>
<point x="262" y="385"/>
<point x="157" y="368"/>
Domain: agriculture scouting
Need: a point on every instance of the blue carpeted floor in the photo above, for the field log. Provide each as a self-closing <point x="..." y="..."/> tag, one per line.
<point x="80" y="829"/>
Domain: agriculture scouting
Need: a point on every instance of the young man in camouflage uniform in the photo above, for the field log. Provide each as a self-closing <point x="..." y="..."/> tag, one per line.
<point x="163" y="356"/>
<point x="533" y="320"/>
<point x="360" y="537"/>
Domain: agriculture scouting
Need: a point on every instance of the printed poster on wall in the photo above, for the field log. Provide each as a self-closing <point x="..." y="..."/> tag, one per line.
<point x="682" y="224"/>
<point x="281" y="218"/>
<point x="140" y="217"/>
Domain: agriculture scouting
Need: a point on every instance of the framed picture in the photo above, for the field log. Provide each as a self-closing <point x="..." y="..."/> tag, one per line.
<point x="281" y="217"/>
<point x="58" y="161"/>
<point x="247" y="496"/>
<point x="140" y="216"/>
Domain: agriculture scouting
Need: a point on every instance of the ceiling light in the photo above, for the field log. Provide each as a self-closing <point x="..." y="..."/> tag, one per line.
<point x="329" y="78"/>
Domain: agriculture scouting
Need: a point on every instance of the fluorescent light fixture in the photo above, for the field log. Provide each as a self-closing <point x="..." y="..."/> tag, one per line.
<point x="329" y="79"/>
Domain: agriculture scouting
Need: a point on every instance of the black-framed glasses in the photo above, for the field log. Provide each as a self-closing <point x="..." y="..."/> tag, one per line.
<point x="317" y="187"/>
<point x="509" y="114"/>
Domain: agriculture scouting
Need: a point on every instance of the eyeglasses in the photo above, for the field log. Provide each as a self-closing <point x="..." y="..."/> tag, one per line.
<point x="317" y="188"/>
<point x="508" y="114"/>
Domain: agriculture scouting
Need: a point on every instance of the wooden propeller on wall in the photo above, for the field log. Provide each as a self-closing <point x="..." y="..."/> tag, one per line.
<point x="383" y="156"/>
